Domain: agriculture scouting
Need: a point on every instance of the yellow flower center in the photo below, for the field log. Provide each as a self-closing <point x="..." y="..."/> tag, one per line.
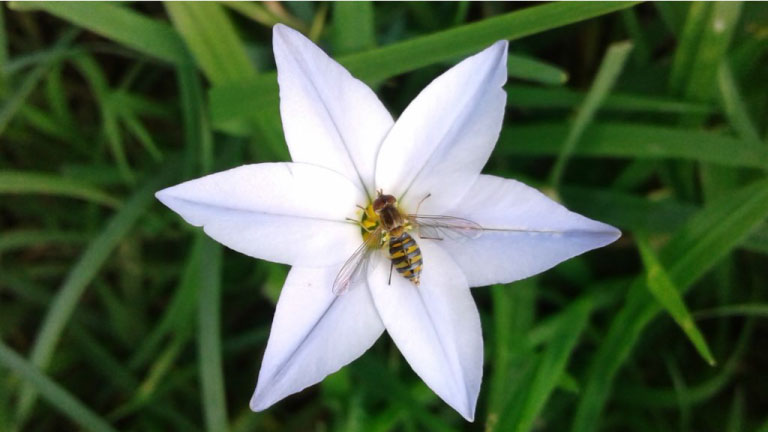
<point x="369" y="221"/>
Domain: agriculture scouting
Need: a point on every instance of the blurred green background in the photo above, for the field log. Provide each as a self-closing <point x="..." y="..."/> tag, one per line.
<point x="116" y="315"/>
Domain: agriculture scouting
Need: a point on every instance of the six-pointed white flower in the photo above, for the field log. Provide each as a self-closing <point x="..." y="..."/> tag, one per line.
<point x="345" y="146"/>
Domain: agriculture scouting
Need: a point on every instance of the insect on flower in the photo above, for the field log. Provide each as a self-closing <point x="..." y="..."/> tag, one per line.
<point x="411" y="191"/>
<point x="384" y="224"/>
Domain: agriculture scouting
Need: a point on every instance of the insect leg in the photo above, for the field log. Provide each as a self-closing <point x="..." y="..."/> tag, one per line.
<point x="391" y="266"/>
<point x="358" y="223"/>
<point x="422" y="200"/>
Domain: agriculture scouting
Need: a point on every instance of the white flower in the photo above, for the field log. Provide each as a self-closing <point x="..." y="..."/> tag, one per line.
<point x="345" y="146"/>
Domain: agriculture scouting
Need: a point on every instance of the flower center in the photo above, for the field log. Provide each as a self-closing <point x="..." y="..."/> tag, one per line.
<point x="369" y="221"/>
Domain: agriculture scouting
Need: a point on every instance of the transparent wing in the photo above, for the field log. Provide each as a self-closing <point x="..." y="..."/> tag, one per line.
<point x="438" y="227"/>
<point x="357" y="264"/>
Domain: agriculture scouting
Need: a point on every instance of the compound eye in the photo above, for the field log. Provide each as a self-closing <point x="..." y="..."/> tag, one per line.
<point x="377" y="205"/>
<point x="390" y="199"/>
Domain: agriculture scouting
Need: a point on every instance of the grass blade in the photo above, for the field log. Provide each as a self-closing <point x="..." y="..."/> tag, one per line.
<point x="56" y="395"/>
<point x="125" y="26"/>
<point x="526" y="405"/>
<point x="81" y="275"/>
<point x="527" y="96"/>
<point x="142" y="135"/>
<point x="713" y="43"/>
<point x="25" y="238"/>
<point x="695" y="249"/>
<point x="353" y="27"/>
<point x="634" y="140"/>
<point x="668" y="296"/>
<point x="698" y="393"/>
<point x="412" y="54"/>
<point x="609" y="71"/>
<point x="23" y="182"/>
<point x="209" y="336"/>
<point x="688" y="45"/>
<point x="212" y="40"/>
<point x="513" y="315"/>
<point x="14" y="102"/>
<point x="733" y="105"/>
<point x="177" y="315"/>
<point x="239" y="101"/>
<point x="3" y="46"/>
<point x="98" y="82"/>
<point x="532" y="69"/>
<point x="757" y="310"/>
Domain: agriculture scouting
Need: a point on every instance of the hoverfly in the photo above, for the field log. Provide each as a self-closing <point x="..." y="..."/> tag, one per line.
<point x="383" y="223"/>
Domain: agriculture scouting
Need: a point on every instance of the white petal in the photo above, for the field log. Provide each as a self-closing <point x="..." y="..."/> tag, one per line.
<point x="436" y="326"/>
<point x="535" y="233"/>
<point x="283" y="212"/>
<point x="314" y="333"/>
<point x="329" y="118"/>
<point x="445" y="136"/>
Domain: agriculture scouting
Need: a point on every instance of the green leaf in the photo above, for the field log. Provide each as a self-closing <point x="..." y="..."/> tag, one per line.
<point x="195" y="121"/>
<point x="209" y="336"/>
<point x="55" y="394"/>
<point x="13" y="102"/>
<point x="142" y="135"/>
<point x="24" y="238"/>
<point x="688" y="45"/>
<point x="694" y="250"/>
<point x="698" y="392"/>
<point x="97" y="80"/>
<point x="528" y="96"/>
<point x="238" y="101"/>
<point x="384" y="383"/>
<point x="24" y="182"/>
<point x="3" y="45"/>
<point x="668" y="296"/>
<point x="634" y="140"/>
<point x="418" y="52"/>
<point x="528" y="401"/>
<point x="532" y="69"/>
<point x="353" y="27"/>
<point x="634" y="29"/>
<point x="736" y="417"/>
<point x="81" y="275"/>
<point x="609" y="71"/>
<point x="713" y="43"/>
<point x="513" y="315"/>
<point x="756" y="310"/>
<point x="734" y="105"/>
<point x="178" y="316"/>
<point x="125" y="26"/>
<point x="265" y="14"/>
<point x="212" y="40"/>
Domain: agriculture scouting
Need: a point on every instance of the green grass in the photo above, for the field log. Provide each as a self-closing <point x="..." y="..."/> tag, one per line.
<point x="116" y="315"/>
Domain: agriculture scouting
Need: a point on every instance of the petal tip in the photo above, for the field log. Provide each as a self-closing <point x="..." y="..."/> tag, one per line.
<point x="468" y="411"/>
<point x="612" y="233"/>
<point x="281" y="34"/>
<point x="258" y="402"/>
<point x="502" y="44"/>
<point x="164" y="196"/>
<point x="616" y="234"/>
<point x="280" y="29"/>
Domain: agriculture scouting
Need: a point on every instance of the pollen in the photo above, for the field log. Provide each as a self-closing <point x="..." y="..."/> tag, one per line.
<point x="369" y="221"/>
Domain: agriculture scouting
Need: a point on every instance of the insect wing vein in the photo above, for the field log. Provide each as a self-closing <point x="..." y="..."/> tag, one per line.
<point x="438" y="227"/>
<point x="357" y="263"/>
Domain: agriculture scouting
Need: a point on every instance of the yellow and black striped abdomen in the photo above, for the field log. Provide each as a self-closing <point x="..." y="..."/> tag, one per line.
<point x="406" y="256"/>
